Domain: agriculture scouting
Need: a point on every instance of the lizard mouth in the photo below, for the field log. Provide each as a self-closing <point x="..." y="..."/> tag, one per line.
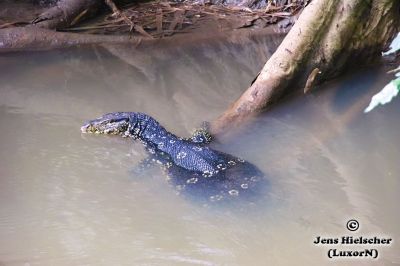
<point x="110" y="124"/>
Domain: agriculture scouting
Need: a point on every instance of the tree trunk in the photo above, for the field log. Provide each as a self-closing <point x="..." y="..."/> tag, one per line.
<point x="329" y="36"/>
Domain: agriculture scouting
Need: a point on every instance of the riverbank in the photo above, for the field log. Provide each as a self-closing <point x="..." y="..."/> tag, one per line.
<point x="141" y="23"/>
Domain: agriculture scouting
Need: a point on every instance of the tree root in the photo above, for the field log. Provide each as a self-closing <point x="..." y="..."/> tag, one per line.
<point x="329" y="36"/>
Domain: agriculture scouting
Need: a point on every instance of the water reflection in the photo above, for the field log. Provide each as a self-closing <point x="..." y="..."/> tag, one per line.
<point x="67" y="199"/>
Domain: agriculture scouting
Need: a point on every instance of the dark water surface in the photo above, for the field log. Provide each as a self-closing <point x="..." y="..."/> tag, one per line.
<point x="70" y="199"/>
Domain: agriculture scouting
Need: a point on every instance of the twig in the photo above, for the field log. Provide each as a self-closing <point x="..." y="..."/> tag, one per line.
<point x="94" y="27"/>
<point x="159" y="21"/>
<point x="132" y="25"/>
<point x="311" y="79"/>
<point x="8" y="24"/>
<point x="77" y="18"/>
<point x="116" y="11"/>
<point x="394" y="70"/>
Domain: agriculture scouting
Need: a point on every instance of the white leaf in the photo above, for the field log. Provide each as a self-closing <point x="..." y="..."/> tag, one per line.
<point x="385" y="95"/>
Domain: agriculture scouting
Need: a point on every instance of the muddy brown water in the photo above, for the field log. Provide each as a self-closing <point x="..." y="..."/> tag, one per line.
<point x="71" y="199"/>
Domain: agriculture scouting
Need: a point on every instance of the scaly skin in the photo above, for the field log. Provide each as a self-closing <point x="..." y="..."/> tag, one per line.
<point x="191" y="166"/>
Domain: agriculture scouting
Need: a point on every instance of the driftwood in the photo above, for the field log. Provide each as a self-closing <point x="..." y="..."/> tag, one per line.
<point x="33" y="39"/>
<point x="156" y="18"/>
<point x="38" y="39"/>
<point x="66" y="13"/>
<point x="329" y="36"/>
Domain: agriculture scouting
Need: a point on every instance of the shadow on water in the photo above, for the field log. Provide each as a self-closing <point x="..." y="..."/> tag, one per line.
<point x="353" y="87"/>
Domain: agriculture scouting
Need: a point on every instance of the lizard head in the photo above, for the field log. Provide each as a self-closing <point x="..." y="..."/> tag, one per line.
<point x="110" y="124"/>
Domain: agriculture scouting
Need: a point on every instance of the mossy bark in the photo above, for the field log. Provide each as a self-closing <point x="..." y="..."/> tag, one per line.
<point x="330" y="36"/>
